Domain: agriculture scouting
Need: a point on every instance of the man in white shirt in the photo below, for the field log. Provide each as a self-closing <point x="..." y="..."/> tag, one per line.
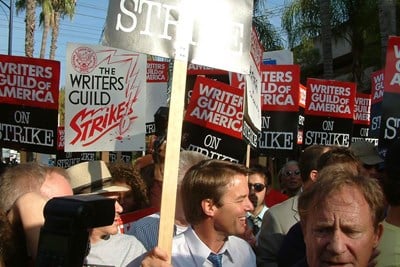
<point x="215" y="201"/>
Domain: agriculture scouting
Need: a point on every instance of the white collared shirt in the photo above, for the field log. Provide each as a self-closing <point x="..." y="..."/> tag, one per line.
<point x="259" y="220"/>
<point x="189" y="250"/>
<point x="260" y="215"/>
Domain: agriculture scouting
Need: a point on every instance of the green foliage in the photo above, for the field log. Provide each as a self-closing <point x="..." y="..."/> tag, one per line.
<point x="307" y="56"/>
<point x="269" y="36"/>
<point x="47" y="17"/>
<point x="355" y="21"/>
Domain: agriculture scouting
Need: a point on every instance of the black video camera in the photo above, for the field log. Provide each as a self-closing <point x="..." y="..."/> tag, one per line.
<point x="64" y="236"/>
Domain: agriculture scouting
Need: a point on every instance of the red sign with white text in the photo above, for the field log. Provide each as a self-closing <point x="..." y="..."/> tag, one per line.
<point x="216" y="106"/>
<point x="303" y="96"/>
<point x="194" y="69"/>
<point x="29" y="82"/>
<point x="392" y="67"/>
<point x="330" y="98"/>
<point x="280" y="87"/>
<point x="157" y="71"/>
<point x="362" y="111"/>
<point x="377" y="89"/>
<point x="237" y="80"/>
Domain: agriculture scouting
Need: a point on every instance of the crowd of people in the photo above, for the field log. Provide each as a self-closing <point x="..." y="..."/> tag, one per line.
<point x="335" y="206"/>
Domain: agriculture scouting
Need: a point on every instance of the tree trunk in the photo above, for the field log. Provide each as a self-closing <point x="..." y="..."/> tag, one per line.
<point x="54" y="34"/>
<point x="30" y="21"/>
<point x="30" y="27"/>
<point x="356" y="66"/>
<point x="46" y="28"/>
<point x="387" y="24"/>
<point x="326" y="38"/>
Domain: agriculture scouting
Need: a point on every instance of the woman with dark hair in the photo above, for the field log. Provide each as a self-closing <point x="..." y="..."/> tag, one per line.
<point x="123" y="174"/>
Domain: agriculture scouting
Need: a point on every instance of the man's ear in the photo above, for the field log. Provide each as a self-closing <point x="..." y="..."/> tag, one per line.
<point x="378" y="235"/>
<point x="314" y="175"/>
<point x="208" y="207"/>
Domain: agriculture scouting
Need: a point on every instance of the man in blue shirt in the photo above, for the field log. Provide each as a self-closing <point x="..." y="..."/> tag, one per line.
<point x="215" y="201"/>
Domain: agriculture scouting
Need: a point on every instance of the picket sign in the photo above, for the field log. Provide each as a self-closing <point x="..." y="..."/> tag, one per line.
<point x="134" y="26"/>
<point x="174" y="132"/>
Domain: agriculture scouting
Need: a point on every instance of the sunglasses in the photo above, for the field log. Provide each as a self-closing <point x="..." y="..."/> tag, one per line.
<point x="290" y="173"/>
<point x="258" y="187"/>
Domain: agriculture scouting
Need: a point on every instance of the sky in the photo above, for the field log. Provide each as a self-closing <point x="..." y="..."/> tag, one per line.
<point x="85" y="27"/>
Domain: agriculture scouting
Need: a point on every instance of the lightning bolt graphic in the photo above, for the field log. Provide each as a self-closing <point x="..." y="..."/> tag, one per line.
<point x="132" y="87"/>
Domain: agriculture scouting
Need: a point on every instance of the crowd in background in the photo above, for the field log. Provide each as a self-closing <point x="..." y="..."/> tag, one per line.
<point x="332" y="205"/>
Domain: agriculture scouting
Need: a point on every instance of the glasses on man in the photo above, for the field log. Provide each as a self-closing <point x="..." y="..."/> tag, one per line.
<point x="290" y="173"/>
<point x="258" y="187"/>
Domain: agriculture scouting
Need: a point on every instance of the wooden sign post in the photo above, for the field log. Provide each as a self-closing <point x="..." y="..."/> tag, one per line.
<point x="218" y="37"/>
<point x="174" y="131"/>
<point x="172" y="156"/>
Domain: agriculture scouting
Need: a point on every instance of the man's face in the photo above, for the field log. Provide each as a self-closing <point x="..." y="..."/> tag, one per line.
<point x="230" y="217"/>
<point x="256" y="182"/>
<point x="340" y="230"/>
<point x="292" y="178"/>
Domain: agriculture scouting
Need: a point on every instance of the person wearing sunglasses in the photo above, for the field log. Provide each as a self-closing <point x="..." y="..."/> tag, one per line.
<point x="291" y="178"/>
<point x="258" y="183"/>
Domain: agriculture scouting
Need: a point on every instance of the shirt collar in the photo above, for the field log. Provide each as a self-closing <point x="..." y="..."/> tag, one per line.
<point x="200" y="251"/>
<point x="261" y="214"/>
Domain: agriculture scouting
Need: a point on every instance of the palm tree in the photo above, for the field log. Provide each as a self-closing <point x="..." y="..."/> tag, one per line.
<point x="326" y="36"/>
<point x="269" y="37"/>
<point x="387" y="24"/>
<point x="44" y="20"/>
<point x="30" y="24"/>
<point x="52" y="11"/>
<point x="267" y="33"/>
<point x="60" y="8"/>
<point x="30" y="20"/>
<point x="352" y="20"/>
